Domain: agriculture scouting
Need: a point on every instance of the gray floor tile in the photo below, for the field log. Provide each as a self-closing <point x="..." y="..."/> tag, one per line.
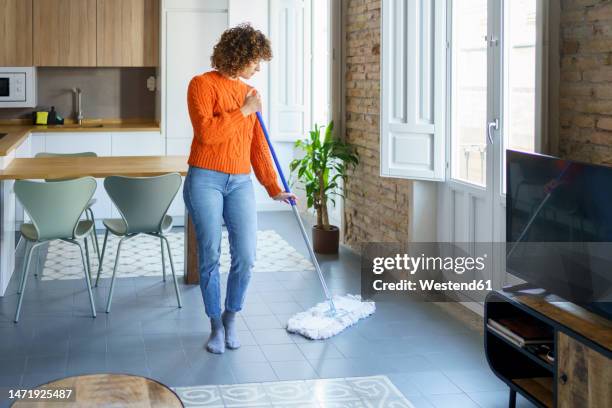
<point x="254" y="372"/>
<point x="334" y="368"/>
<point x="46" y="364"/>
<point x="286" y="307"/>
<point x="245" y="354"/>
<point x="88" y="344"/>
<point x="263" y="322"/>
<point x="283" y="352"/>
<point x="246" y="338"/>
<point x="319" y="350"/>
<point x="433" y="383"/>
<point x="403" y="382"/>
<point x="161" y="342"/>
<point x="272" y="336"/>
<point x="476" y="380"/>
<point x="421" y="402"/>
<point x="194" y="340"/>
<point x="294" y="370"/>
<point x="86" y="363"/>
<point x="256" y="309"/>
<point x="131" y="363"/>
<point x="12" y="366"/>
<point x="124" y="343"/>
<point x="451" y="400"/>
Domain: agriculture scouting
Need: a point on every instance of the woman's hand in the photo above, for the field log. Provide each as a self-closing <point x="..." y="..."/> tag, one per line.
<point x="286" y="197"/>
<point x="252" y="103"/>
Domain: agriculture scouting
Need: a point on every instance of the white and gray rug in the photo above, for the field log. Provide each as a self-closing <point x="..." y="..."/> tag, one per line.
<point x="358" y="392"/>
<point x="141" y="256"/>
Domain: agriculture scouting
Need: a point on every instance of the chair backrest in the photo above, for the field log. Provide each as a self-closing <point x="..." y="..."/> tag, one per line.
<point x="82" y="154"/>
<point x="143" y="201"/>
<point x="55" y="208"/>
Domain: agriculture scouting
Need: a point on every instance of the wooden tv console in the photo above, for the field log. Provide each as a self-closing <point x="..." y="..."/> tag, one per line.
<point x="581" y="374"/>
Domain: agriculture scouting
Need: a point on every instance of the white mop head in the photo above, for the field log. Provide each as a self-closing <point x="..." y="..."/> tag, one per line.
<point x="319" y="323"/>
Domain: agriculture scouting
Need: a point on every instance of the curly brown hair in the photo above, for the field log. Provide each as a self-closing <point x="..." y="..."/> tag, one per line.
<point x="238" y="47"/>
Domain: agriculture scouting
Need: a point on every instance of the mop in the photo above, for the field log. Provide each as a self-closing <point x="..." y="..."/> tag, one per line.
<point x="328" y="318"/>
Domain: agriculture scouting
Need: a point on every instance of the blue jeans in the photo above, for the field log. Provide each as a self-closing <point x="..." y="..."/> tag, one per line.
<point x="210" y="197"/>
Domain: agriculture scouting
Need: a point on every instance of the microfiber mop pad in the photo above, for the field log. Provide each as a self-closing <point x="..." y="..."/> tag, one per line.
<point x="319" y="322"/>
<point x="338" y="312"/>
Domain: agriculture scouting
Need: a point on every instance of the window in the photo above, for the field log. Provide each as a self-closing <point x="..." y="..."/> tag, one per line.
<point x="469" y="91"/>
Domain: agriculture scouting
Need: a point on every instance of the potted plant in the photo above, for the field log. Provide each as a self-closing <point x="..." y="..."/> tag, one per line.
<point x="325" y="164"/>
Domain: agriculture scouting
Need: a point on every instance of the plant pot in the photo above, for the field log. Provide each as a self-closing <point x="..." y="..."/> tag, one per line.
<point x="325" y="241"/>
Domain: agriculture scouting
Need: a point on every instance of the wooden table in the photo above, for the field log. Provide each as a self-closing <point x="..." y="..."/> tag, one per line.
<point x="108" y="390"/>
<point x="101" y="167"/>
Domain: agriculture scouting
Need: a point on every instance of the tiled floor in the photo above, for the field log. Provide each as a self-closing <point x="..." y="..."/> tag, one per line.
<point x="432" y="358"/>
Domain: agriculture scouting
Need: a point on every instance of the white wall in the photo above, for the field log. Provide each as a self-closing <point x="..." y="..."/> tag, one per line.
<point x="257" y="13"/>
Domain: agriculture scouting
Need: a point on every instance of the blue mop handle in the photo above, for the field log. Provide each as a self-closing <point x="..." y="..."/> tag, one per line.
<point x="298" y="218"/>
<point x="276" y="162"/>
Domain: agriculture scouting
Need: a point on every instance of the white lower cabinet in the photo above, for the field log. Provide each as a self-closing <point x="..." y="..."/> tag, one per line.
<point x="99" y="143"/>
<point x="137" y="144"/>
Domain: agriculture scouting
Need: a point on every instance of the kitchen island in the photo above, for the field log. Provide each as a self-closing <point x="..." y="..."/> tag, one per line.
<point x="58" y="168"/>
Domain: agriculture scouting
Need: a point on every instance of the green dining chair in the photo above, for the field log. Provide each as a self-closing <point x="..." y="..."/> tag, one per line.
<point x="88" y="211"/>
<point x="143" y="204"/>
<point x="55" y="211"/>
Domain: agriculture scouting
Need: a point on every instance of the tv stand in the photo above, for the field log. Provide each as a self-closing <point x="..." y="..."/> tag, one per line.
<point x="581" y="373"/>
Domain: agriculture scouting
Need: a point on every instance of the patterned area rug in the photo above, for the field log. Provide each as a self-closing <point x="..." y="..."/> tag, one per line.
<point x="141" y="256"/>
<point x="361" y="392"/>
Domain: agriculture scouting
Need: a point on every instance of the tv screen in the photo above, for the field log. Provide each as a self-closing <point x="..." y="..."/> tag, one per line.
<point x="559" y="228"/>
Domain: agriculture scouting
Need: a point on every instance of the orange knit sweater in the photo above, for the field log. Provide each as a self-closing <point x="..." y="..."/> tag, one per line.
<point x="223" y="139"/>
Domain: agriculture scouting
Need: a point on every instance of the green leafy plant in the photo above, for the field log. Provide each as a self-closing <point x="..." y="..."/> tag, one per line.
<point x="325" y="164"/>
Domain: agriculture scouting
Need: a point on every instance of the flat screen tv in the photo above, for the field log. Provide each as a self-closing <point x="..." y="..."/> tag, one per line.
<point x="559" y="228"/>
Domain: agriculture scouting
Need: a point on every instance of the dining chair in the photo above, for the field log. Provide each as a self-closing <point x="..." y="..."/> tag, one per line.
<point x="55" y="211"/>
<point x="143" y="204"/>
<point x="89" y="214"/>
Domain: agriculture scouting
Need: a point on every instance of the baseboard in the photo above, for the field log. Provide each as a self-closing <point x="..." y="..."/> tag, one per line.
<point x="469" y="313"/>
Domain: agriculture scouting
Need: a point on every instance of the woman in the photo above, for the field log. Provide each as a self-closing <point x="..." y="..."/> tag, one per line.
<point x="227" y="141"/>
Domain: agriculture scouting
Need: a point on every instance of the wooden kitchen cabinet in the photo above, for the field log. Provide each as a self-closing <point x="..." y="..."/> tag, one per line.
<point x="128" y="33"/>
<point x="65" y="33"/>
<point x="16" y="29"/>
<point x="584" y="376"/>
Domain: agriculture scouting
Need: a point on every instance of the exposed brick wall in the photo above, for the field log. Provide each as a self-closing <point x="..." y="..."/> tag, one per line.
<point x="585" y="108"/>
<point x="376" y="208"/>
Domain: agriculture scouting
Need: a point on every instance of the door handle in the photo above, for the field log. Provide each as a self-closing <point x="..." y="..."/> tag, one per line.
<point x="492" y="126"/>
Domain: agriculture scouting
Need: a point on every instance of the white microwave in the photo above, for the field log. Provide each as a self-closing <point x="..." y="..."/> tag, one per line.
<point x="17" y="87"/>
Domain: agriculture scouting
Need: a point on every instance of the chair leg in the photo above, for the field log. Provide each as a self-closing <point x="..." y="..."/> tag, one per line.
<point x="96" y="244"/>
<point x="36" y="266"/>
<point x="112" y="285"/>
<point x="25" y="257"/>
<point x="87" y="280"/>
<point x="161" y="242"/>
<point x="101" y="257"/>
<point x="88" y="260"/>
<point x="24" y="279"/>
<point x="176" y="289"/>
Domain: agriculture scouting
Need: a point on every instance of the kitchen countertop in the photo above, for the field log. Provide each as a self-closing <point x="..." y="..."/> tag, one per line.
<point x="16" y="133"/>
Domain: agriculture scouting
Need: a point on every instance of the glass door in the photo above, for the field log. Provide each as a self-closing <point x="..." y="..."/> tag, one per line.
<point x="495" y="54"/>
<point x="521" y="104"/>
